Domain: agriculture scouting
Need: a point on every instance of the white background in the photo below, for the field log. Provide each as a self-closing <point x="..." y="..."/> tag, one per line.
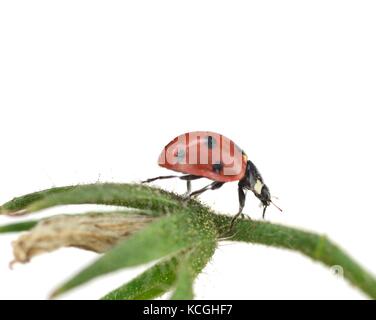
<point x="92" y="90"/>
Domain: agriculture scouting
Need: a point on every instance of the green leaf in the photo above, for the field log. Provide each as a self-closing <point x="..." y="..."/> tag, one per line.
<point x="17" y="227"/>
<point x="129" y="195"/>
<point x="150" y="284"/>
<point x="190" y="266"/>
<point x="186" y="225"/>
<point x="20" y="203"/>
<point x="163" y="237"/>
<point x="180" y="271"/>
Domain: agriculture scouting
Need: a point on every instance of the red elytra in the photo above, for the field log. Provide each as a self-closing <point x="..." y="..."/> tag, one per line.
<point x="205" y="154"/>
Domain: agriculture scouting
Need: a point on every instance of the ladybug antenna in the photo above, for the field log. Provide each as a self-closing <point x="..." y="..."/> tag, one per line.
<point x="276" y="206"/>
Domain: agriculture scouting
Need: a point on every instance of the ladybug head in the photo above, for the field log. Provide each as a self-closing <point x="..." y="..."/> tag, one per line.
<point x="254" y="182"/>
<point x="264" y="197"/>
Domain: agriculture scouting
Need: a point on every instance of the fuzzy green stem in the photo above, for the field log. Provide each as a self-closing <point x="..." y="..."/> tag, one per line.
<point x="186" y="222"/>
<point x="317" y="247"/>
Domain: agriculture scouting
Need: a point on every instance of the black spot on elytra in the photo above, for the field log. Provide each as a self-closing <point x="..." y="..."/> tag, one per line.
<point x="210" y="142"/>
<point x="217" y="167"/>
<point x="180" y="155"/>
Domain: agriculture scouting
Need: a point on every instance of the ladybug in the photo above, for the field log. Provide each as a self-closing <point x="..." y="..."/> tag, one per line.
<point x="205" y="154"/>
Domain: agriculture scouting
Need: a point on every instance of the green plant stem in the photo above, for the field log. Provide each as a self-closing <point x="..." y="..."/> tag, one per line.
<point x="197" y="223"/>
<point x="317" y="247"/>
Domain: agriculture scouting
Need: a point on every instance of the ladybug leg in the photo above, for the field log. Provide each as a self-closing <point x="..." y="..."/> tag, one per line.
<point x="186" y="177"/>
<point x="159" y="178"/>
<point x="241" y="193"/>
<point x="189" y="178"/>
<point x="189" y="189"/>
<point x="213" y="186"/>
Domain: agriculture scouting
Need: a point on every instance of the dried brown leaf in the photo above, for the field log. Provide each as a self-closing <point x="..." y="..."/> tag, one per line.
<point x="94" y="231"/>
